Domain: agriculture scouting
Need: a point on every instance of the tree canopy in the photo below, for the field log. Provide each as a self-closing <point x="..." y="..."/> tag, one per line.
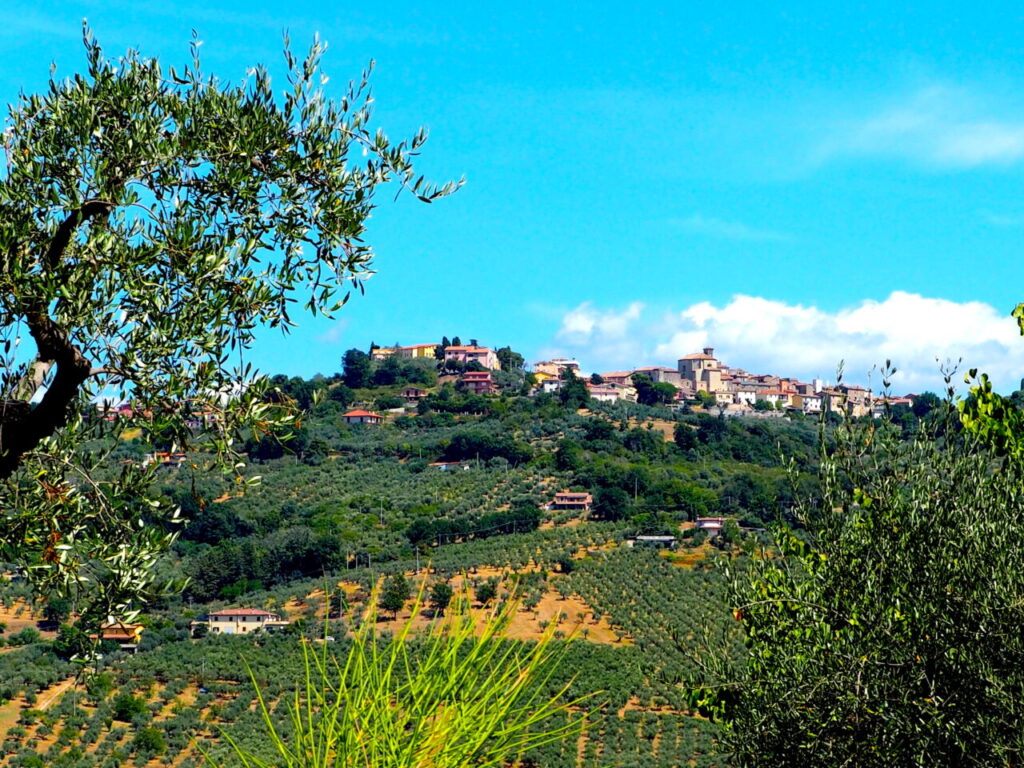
<point x="151" y="220"/>
<point x="888" y="632"/>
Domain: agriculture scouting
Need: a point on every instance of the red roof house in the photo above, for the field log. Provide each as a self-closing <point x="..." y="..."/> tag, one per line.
<point x="362" y="417"/>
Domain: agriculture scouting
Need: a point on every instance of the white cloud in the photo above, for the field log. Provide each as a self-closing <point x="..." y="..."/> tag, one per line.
<point x="936" y="126"/>
<point x="335" y="332"/>
<point x="916" y="333"/>
<point x="1002" y="220"/>
<point x="603" y="333"/>
<point x="728" y="230"/>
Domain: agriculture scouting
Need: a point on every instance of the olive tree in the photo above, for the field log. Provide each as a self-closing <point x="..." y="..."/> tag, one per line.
<point x="152" y="219"/>
<point x="890" y="633"/>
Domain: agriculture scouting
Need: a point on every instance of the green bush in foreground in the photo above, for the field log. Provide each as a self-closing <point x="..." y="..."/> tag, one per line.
<point x="456" y="697"/>
<point x="893" y="637"/>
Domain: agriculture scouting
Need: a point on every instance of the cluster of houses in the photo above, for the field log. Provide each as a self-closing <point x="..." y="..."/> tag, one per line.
<point x="458" y="353"/>
<point x="711" y="526"/>
<point x="700" y="377"/>
<point x="697" y="378"/>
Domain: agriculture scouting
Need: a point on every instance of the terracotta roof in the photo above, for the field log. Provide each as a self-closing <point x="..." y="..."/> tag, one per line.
<point x="476" y="375"/>
<point x="467" y="349"/>
<point x="119" y="632"/>
<point x="777" y="392"/>
<point x="354" y="414"/>
<point x="698" y="356"/>
<point x="615" y="374"/>
<point x="242" y="612"/>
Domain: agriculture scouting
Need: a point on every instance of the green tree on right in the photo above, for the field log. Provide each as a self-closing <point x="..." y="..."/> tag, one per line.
<point x="887" y="632"/>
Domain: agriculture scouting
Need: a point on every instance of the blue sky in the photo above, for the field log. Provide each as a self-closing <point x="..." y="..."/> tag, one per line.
<point x="793" y="185"/>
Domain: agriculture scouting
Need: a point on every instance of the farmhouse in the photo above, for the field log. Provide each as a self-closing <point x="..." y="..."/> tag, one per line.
<point x="655" y="542"/>
<point x="127" y="636"/>
<point x="413" y="394"/>
<point x="240" y="621"/>
<point x="605" y="393"/>
<point x="165" y="459"/>
<point x="572" y="500"/>
<point x="713" y="525"/>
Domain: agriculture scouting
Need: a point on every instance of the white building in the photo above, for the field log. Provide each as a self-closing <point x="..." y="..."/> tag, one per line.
<point x="241" y="621"/>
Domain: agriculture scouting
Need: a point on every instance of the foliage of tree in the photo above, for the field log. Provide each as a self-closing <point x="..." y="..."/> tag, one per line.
<point x="441" y="594"/>
<point x="873" y="642"/>
<point x="477" y="444"/>
<point x="651" y="393"/>
<point x="149" y="742"/>
<point x="706" y="399"/>
<point x="152" y="219"/>
<point x="57" y="609"/>
<point x="486" y="591"/>
<point x="574" y="393"/>
<point x="355" y="366"/>
<point x="124" y="706"/>
<point x="72" y="641"/>
<point x="397" y="371"/>
<point x="509" y="359"/>
<point x="685" y="436"/>
<point x="611" y="504"/>
<point x="395" y="593"/>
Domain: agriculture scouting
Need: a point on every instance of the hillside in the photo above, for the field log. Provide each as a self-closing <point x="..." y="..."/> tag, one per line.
<point x="455" y="489"/>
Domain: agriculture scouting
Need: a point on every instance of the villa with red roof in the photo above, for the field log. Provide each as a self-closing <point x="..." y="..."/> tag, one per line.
<point x="362" y="417"/>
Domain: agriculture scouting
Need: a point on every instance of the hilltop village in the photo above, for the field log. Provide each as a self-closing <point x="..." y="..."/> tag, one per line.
<point x="698" y="379"/>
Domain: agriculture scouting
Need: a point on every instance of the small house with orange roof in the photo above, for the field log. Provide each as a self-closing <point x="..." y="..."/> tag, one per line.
<point x="127" y="636"/>
<point x="362" y="417"/>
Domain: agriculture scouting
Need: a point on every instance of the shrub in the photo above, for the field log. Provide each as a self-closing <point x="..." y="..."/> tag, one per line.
<point x="125" y="707"/>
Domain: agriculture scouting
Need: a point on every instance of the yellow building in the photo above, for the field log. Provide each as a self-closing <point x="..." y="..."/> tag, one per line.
<point x="418" y="350"/>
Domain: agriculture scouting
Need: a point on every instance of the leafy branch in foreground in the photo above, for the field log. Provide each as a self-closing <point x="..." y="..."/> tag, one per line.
<point x="457" y="696"/>
<point x="151" y="219"/>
